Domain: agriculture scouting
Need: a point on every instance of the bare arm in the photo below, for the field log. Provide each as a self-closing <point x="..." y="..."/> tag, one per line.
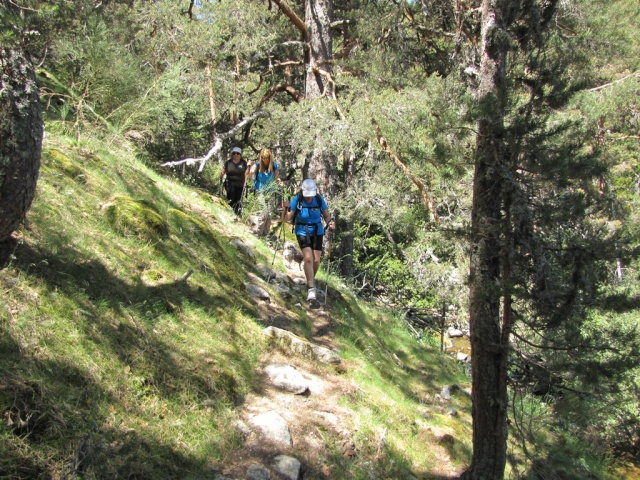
<point x="289" y="216"/>
<point x="328" y="220"/>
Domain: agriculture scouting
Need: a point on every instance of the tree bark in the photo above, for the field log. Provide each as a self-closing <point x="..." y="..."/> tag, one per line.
<point x="322" y="165"/>
<point x="21" y="132"/>
<point x="315" y="31"/>
<point x="488" y="334"/>
<point x="318" y="15"/>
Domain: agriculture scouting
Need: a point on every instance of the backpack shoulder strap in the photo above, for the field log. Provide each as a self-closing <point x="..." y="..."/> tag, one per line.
<point x="300" y="206"/>
<point x="297" y="196"/>
<point x="255" y="175"/>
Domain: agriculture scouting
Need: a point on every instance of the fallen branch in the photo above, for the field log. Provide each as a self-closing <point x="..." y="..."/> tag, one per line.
<point x="217" y="144"/>
<point x="186" y="276"/>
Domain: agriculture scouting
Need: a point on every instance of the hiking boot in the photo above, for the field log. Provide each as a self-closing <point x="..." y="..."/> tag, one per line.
<point x="311" y="294"/>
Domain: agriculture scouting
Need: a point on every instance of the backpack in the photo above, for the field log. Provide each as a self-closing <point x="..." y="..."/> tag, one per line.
<point x="299" y="207"/>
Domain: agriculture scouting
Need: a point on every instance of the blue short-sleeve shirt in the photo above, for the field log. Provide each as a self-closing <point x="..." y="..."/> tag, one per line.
<point x="308" y="217"/>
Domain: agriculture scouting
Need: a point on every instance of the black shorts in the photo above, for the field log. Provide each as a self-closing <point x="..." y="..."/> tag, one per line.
<point x="311" y="241"/>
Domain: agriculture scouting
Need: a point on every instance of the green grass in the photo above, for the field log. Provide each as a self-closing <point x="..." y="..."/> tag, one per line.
<point x="108" y="355"/>
<point x="102" y="339"/>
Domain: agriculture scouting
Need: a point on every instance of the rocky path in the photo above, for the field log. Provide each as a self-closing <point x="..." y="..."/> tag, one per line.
<point x="298" y="419"/>
<point x="292" y="421"/>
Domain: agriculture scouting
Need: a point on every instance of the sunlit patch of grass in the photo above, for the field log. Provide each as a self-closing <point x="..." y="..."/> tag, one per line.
<point x="100" y="322"/>
<point x="398" y="381"/>
<point x="134" y="217"/>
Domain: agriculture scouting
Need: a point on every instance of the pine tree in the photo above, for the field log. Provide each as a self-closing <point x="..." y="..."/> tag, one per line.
<point x="21" y="133"/>
<point x="542" y="239"/>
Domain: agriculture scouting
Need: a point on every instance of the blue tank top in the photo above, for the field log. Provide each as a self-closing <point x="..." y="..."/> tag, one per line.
<point x="265" y="179"/>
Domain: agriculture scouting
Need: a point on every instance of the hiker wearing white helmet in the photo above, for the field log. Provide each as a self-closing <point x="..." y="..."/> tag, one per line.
<point x="307" y="209"/>
<point x="235" y="171"/>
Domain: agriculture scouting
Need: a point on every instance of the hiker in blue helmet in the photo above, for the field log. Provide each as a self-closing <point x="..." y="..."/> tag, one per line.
<point x="307" y="209"/>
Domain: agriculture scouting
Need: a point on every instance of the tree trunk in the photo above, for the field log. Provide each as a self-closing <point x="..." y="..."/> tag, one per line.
<point x="318" y="15"/>
<point x="321" y="166"/>
<point x="21" y="133"/>
<point x="488" y="335"/>
<point x="345" y="249"/>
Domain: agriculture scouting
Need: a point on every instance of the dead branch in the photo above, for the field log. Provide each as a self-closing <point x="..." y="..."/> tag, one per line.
<point x="257" y="88"/>
<point x="217" y="144"/>
<point x="634" y="74"/>
<point x="287" y="63"/>
<point x="212" y="103"/>
<point x="331" y="91"/>
<point x="340" y="23"/>
<point x="293" y="16"/>
<point x="417" y="182"/>
<point x="281" y="87"/>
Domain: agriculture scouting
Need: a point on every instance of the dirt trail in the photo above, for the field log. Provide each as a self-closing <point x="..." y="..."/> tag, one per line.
<point x="318" y="422"/>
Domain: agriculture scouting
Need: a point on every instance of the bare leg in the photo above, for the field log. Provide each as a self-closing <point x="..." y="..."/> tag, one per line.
<point x="316" y="261"/>
<point x="309" y="266"/>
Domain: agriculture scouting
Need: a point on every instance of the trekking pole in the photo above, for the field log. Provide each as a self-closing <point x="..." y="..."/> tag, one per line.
<point x="326" y="283"/>
<point x="275" y="250"/>
<point x="244" y="189"/>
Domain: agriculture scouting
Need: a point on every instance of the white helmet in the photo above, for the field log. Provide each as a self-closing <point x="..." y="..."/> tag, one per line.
<point x="309" y="188"/>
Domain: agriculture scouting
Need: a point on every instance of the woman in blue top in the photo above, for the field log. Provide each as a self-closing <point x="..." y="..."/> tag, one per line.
<point x="265" y="173"/>
<point x="307" y="210"/>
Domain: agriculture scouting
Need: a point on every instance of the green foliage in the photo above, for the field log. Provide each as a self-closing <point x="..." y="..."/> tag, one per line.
<point x="609" y="415"/>
<point x="427" y="128"/>
<point x="613" y="44"/>
<point x="143" y="74"/>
